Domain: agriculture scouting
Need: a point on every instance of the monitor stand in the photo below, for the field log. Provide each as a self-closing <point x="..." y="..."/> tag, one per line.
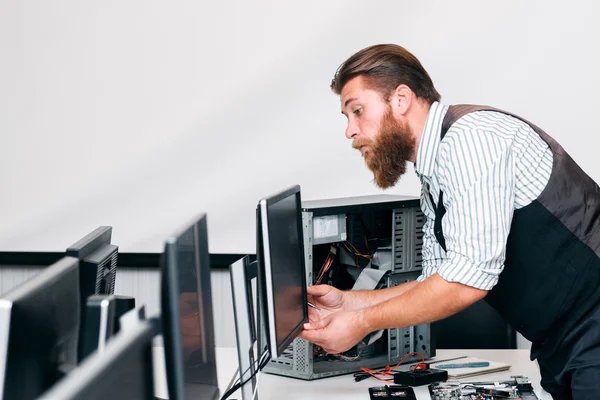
<point x="242" y="273"/>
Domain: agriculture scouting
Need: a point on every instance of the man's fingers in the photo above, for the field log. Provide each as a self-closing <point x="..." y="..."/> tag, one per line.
<point x="318" y="290"/>
<point x="313" y="336"/>
<point x="317" y="324"/>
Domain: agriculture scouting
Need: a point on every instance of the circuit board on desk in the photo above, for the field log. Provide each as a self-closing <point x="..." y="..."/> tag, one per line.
<point x="518" y="387"/>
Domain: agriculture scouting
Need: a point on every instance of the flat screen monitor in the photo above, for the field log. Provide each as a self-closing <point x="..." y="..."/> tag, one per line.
<point x="101" y="321"/>
<point x="123" y="371"/>
<point x="39" y="325"/>
<point x="187" y="315"/>
<point x="98" y="265"/>
<point x="98" y="269"/>
<point x="282" y="271"/>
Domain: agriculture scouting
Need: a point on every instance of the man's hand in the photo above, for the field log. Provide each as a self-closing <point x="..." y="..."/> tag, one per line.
<point x="327" y="298"/>
<point x="336" y="332"/>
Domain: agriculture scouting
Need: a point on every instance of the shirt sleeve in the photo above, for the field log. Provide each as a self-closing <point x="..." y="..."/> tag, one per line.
<point x="432" y="253"/>
<point x="476" y="175"/>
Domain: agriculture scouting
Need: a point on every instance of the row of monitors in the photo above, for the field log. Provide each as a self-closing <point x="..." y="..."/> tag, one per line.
<point x="40" y="320"/>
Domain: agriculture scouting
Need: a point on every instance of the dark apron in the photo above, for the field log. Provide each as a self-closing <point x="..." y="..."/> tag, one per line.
<point x="551" y="277"/>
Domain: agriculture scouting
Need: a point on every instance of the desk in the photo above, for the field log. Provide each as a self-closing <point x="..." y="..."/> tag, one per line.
<point x="274" y="387"/>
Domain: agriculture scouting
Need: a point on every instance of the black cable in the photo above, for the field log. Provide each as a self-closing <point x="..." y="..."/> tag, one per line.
<point x="366" y="233"/>
<point x="236" y="386"/>
<point x="239" y="385"/>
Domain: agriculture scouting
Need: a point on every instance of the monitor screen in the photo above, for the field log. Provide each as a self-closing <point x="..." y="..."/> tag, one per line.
<point x="122" y="371"/>
<point x="282" y="267"/>
<point x="39" y="324"/>
<point x="187" y="316"/>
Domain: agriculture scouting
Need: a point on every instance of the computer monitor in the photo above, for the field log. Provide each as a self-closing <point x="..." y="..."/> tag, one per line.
<point x="98" y="268"/>
<point x="98" y="262"/>
<point x="123" y="371"/>
<point x="250" y="329"/>
<point x="282" y="272"/>
<point x="101" y="321"/>
<point x="187" y="315"/>
<point x="39" y="325"/>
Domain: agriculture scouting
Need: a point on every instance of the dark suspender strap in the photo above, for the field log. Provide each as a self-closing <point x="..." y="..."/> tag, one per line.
<point x="458" y="111"/>
<point x="440" y="210"/>
<point x="453" y="114"/>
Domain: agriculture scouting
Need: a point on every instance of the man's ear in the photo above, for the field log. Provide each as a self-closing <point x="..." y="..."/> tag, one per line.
<point x="402" y="98"/>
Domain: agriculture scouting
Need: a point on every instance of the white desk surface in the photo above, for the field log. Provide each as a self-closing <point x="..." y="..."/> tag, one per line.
<point x="274" y="387"/>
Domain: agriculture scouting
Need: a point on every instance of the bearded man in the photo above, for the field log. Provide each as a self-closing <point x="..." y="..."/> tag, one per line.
<point x="511" y="219"/>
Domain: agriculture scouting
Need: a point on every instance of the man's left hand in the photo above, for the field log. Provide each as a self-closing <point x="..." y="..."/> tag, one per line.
<point x="338" y="332"/>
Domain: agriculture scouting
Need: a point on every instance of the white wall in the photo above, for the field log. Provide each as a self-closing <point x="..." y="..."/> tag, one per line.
<point x="139" y="114"/>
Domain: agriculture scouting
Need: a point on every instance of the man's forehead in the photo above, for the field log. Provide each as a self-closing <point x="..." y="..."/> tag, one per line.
<point x="352" y="88"/>
<point x="357" y="90"/>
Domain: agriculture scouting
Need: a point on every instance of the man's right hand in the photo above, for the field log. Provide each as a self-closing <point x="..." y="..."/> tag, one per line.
<point x="329" y="300"/>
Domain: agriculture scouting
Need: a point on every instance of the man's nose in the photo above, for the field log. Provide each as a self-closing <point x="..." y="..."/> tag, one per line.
<point x="351" y="131"/>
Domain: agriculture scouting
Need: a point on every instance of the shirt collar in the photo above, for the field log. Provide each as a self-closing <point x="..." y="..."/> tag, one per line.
<point x="430" y="140"/>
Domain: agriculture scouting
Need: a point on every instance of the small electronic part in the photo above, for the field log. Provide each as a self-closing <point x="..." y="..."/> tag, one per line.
<point x="419" y="377"/>
<point x="523" y="383"/>
<point x="518" y="387"/>
<point x="445" y="391"/>
<point x="392" y="392"/>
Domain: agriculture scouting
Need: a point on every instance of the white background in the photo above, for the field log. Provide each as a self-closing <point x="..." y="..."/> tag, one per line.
<point x="141" y="114"/>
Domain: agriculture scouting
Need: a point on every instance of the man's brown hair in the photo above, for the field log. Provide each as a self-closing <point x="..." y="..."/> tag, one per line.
<point x="384" y="67"/>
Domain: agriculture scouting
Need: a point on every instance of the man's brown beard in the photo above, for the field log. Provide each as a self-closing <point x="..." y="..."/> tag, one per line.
<point x="386" y="156"/>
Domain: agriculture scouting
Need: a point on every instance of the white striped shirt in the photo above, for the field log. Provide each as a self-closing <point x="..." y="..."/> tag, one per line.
<point x="488" y="165"/>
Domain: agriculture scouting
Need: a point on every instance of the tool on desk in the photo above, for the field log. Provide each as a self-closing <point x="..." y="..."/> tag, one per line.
<point x="447" y="359"/>
<point x="420" y="365"/>
<point x="471" y="366"/>
<point x="479" y="364"/>
<point x="313" y="306"/>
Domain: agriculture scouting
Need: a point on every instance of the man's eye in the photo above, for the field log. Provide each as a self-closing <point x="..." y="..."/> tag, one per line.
<point x="358" y="111"/>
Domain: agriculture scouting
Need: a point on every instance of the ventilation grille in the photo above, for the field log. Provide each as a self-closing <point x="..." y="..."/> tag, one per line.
<point x="408" y="239"/>
<point x="300" y="352"/>
<point x="419" y="224"/>
<point x="400" y="216"/>
<point x="106" y="275"/>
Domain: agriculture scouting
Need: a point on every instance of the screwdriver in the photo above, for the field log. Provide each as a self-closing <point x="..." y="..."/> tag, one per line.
<point x="478" y="364"/>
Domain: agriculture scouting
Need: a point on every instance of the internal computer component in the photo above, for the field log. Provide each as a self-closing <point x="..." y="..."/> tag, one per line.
<point x="392" y="392"/>
<point x="343" y="267"/>
<point x="518" y="387"/>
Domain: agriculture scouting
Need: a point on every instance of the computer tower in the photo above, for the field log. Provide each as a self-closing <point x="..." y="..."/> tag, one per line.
<point x="382" y="229"/>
